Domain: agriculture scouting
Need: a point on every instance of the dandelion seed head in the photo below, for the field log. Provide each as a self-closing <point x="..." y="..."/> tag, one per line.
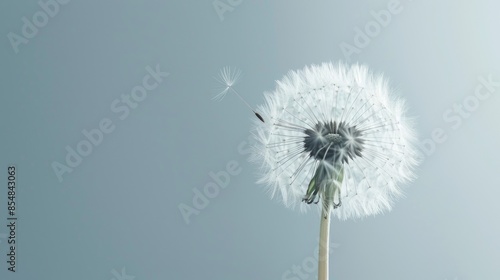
<point x="333" y="120"/>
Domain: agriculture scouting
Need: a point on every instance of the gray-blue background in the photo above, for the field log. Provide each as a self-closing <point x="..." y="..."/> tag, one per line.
<point x="119" y="208"/>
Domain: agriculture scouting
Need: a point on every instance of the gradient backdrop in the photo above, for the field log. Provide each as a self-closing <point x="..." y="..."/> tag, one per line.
<point x="116" y="214"/>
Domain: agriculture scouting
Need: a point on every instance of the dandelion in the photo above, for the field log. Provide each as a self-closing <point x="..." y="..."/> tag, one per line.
<point x="336" y="135"/>
<point x="228" y="78"/>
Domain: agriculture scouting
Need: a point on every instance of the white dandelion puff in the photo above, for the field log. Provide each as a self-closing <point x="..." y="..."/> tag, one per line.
<point x="331" y="120"/>
<point x="337" y="135"/>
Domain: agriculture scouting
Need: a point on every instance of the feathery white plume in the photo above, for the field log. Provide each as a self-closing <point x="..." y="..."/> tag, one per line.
<point x="335" y="132"/>
<point x="227" y="78"/>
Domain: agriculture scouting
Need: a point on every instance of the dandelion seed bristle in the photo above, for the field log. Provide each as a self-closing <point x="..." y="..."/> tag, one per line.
<point x="227" y="77"/>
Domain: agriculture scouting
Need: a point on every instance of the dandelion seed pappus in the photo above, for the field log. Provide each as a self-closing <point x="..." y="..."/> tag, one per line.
<point x="227" y="78"/>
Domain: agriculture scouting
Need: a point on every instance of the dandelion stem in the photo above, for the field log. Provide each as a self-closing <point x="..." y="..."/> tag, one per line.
<point x="330" y="192"/>
<point x="324" y="240"/>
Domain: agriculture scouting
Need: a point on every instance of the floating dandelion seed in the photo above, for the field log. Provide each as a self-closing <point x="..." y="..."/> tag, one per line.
<point x="334" y="134"/>
<point x="228" y="78"/>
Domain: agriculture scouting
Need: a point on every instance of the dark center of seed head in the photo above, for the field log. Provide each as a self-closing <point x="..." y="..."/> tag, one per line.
<point x="333" y="142"/>
<point x="334" y="139"/>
